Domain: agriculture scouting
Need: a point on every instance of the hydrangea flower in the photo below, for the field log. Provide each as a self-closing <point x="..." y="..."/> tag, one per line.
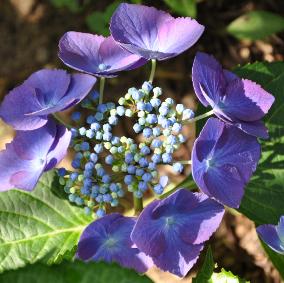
<point x="45" y="92"/>
<point x="95" y="54"/>
<point x="108" y="239"/>
<point x="223" y="160"/>
<point x="30" y="154"/>
<point x="236" y="101"/>
<point x="172" y="231"/>
<point x="151" y="33"/>
<point x="273" y="235"/>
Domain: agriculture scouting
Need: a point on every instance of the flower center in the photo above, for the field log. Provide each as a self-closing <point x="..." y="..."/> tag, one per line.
<point x="110" y="242"/>
<point x="102" y="67"/>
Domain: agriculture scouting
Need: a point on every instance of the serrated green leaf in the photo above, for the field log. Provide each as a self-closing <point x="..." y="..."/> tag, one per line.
<point x="264" y="196"/>
<point x="38" y="226"/>
<point x="99" y="21"/>
<point x="183" y="7"/>
<point x="225" y="277"/>
<point x="73" y="272"/>
<point x="206" y="271"/>
<point x="256" y="25"/>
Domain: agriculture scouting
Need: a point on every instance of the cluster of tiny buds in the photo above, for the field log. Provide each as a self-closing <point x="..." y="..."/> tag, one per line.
<point x="107" y="165"/>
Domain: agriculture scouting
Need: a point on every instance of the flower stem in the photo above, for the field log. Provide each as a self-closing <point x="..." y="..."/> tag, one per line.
<point x="207" y="114"/>
<point x="102" y="87"/>
<point x="138" y="205"/>
<point x="56" y="116"/>
<point x="153" y="70"/>
<point x="185" y="162"/>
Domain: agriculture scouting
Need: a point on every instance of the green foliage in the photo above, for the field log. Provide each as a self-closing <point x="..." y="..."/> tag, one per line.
<point x="73" y="272"/>
<point x="72" y="5"/>
<point x="264" y="195"/>
<point x="225" y="277"/>
<point x="256" y="25"/>
<point x="38" y="226"/>
<point x="98" y="22"/>
<point x="207" y="268"/>
<point x="185" y="8"/>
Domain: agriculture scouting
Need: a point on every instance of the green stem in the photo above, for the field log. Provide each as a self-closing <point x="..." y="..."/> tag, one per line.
<point x="138" y="205"/>
<point x="68" y="126"/>
<point x="207" y="114"/>
<point x="185" y="162"/>
<point x="153" y="70"/>
<point x="102" y="87"/>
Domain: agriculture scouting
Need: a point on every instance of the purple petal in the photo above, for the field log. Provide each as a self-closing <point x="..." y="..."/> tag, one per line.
<point x="269" y="235"/>
<point x="95" y="54"/>
<point x="223" y="163"/>
<point x="108" y="239"/>
<point x="151" y="33"/>
<point x="172" y="231"/>
<point x="256" y="128"/>
<point x="280" y="229"/>
<point x="246" y="101"/>
<point x="79" y="87"/>
<point x="24" y="160"/>
<point x="59" y="147"/>
<point x="50" y="85"/>
<point x="208" y="79"/>
<point x="20" y="101"/>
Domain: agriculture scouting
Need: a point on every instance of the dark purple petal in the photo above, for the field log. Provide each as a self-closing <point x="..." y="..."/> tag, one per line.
<point x="108" y="239"/>
<point x="223" y="160"/>
<point x="246" y="101"/>
<point x="280" y="229"/>
<point x="151" y="33"/>
<point x="16" y="104"/>
<point x="256" y="128"/>
<point x="269" y="235"/>
<point x="95" y="54"/>
<point x="24" y="159"/>
<point x="59" y="147"/>
<point x="172" y="231"/>
<point x="208" y="79"/>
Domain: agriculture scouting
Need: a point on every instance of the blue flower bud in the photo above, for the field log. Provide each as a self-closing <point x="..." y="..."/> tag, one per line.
<point x="100" y="213"/>
<point x="157" y="91"/>
<point x="99" y="135"/>
<point x="169" y="101"/>
<point x="167" y="158"/>
<point x="143" y="162"/>
<point x="138" y="194"/>
<point x="76" y="116"/>
<point x="95" y="126"/>
<point x="120" y="110"/>
<point x="98" y="148"/>
<point x="141" y="106"/>
<point x="137" y="128"/>
<point x="85" y="146"/>
<point x="142" y="121"/>
<point x="90" y="134"/>
<point x="147" y="132"/>
<point x="156" y="131"/>
<point x="163" y="110"/>
<point x="177" y="127"/>
<point x="147" y="177"/>
<point x="62" y="172"/>
<point x="109" y="159"/>
<point x="129" y="158"/>
<point x="147" y="87"/>
<point x="131" y="169"/>
<point x="99" y="116"/>
<point x="74" y="176"/>
<point x="82" y="131"/>
<point x="145" y="150"/>
<point x="187" y="114"/>
<point x="113" y="120"/>
<point x="155" y="102"/>
<point x="179" y="108"/>
<point x="156" y="143"/>
<point x="107" y="198"/>
<point x="107" y="136"/>
<point x="158" y="189"/>
<point x="90" y="119"/>
<point x="79" y="201"/>
<point x="178" y="167"/>
<point x="72" y="197"/>
<point x="94" y="95"/>
<point x="102" y="108"/>
<point x="76" y="164"/>
<point x="139" y="172"/>
<point x="110" y="105"/>
<point x="106" y="179"/>
<point x="156" y="158"/>
<point x="151" y="119"/>
<point x="128" y="179"/>
<point x="148" y="107"/>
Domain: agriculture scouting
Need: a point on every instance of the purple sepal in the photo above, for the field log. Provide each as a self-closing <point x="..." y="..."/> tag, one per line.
<point x="223" y="161"/>
<point x="172" y="231"/>
<point x="151" y="33"/>
<point x="108" y="239"/>
<point x="30" y="154"/>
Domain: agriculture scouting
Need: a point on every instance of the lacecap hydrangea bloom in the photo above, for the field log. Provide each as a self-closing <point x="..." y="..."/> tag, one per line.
<point x="173" y="231"/>
<point x="30" y="154"/>
<point x="273" y="235"/>
<point x="151" y="33"/>
<point x="223" y="160"/>
<point x="96" y="55"/>
<point x="236" y="101"/>
<point x="45" y="92"/>
<point x="108" y="239"/>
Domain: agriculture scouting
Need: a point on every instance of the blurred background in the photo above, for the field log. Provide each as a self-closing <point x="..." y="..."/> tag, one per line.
<point x="237" y="32"/>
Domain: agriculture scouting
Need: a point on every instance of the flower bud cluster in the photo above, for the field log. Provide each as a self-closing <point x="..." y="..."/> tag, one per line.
<point x="107" y="165"/>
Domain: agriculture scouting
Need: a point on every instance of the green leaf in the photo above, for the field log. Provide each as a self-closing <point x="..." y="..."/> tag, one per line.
<point x="38" y="226"/>
<point x="206" y="271"/>
<point x="183" y="7"/>
<point x="72" y="5"/>
<point x="264" y="196"/>
<point x="256" y="25"/>
<point x="73" y="272"/>
<point x="225" y="277"/>
<point x="99" y="21"/>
